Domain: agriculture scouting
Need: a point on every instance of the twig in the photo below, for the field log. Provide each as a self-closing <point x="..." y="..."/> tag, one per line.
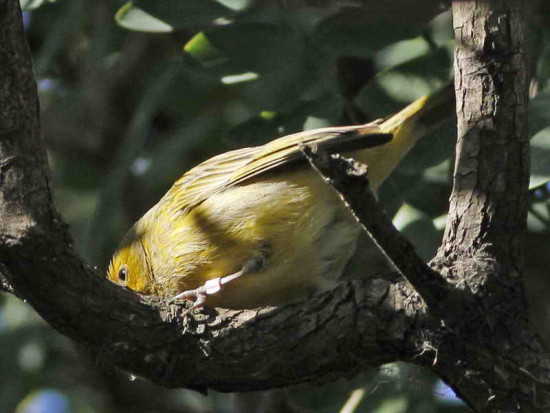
<point x="349" y="180"/>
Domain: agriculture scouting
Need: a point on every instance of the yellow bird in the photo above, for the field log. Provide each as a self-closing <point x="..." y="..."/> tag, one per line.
<point x="257" y="226"/>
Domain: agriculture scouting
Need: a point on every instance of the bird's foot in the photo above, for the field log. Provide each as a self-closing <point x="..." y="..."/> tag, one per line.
<point x="214" y="285"/>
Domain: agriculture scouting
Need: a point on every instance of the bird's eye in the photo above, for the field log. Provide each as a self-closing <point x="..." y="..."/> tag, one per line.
<point x="123" y="274"/>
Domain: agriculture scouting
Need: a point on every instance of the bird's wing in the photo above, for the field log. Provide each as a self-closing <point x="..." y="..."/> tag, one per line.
<point x="207" y="178"/>
<point x="238" y="166"/>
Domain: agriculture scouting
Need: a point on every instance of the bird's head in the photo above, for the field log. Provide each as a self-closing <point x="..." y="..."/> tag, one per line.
<point x="130" y="266"/>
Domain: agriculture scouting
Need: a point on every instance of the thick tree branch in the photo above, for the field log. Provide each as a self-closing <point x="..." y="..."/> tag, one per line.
<point x="25" y="197"/>
<point x="483" y="240"/>
<point x="356" y="326"/>
<point x="488" y="206"/>
<point x="482" y="246"/>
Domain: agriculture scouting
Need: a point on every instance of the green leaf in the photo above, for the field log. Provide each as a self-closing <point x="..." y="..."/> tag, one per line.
<point x="397" y="405"/>
<point x="400" y="52"/>
<point x="270" y="125"/>
<point x="265" y="61"/>
<point x="202" y="50"/>
<point x="236" y="5"/>
<point x="257" y="47"/>
<point x="162" y="16"/>
<point x="540" y="159"/>
<point x="423" y="179"/>
<point x="419" y="229"/>
<point x="360" y="32"/>
<point x="33" y="4"/>
<point x="538" y="219"/>
<point x="441" y="29"/>
<point x="539" y="131"/>
<point x="539" y="112"/>
<point x="249" y="47"/>
<point x="134" y="18"/>
<point x="426" y="72"/>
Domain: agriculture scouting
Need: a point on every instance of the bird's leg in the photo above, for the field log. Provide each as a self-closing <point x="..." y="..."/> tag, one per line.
<point x="214" y="285"/>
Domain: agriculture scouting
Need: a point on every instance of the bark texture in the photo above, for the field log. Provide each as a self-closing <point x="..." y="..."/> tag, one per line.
<point x="488" y="205"/>
<point x="506" y="368"/>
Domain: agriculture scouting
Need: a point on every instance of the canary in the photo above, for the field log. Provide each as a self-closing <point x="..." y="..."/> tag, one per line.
<point x="257" y="226"/>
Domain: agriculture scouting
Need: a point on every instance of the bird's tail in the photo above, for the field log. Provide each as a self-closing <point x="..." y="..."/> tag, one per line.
<point x="406" y="127"/>
<point x="424" y="113"/>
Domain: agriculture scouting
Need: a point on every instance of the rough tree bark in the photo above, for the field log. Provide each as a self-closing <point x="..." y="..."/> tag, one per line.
<point x="474" y="335"/>
<point x="482" y="246"/>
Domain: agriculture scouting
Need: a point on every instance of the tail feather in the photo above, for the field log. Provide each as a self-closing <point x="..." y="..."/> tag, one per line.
<point x="406" y="127"/>
<point x="426" y="113"/>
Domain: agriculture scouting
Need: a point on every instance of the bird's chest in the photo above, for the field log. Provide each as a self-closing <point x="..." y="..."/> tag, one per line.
<point x="296" y="224"/>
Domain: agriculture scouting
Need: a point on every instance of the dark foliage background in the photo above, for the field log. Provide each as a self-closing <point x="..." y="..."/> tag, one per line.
<point x="129" y="105"/>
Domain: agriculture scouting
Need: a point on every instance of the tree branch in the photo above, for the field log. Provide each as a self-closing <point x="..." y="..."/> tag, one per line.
<point x="482" y="246"/>
<point x="488" y="208"/>
<point x="471" y="329"/>
<point x="358" y="325"/>
<point x="350" y="180"/>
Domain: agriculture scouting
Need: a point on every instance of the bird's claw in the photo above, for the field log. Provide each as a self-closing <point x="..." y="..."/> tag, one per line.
<point x="214" y="285"/>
